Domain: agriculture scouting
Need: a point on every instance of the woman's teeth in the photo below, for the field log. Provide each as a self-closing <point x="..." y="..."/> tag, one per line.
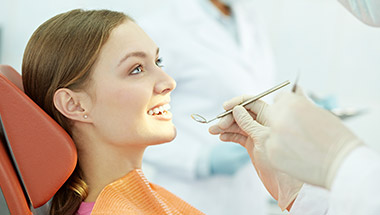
<point x="159" y="110"/>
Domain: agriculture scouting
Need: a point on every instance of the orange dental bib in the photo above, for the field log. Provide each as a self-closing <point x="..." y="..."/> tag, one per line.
<point x="133" y="194"/>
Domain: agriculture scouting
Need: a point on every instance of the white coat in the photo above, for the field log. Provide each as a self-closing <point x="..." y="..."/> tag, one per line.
<point x="209" y="67"/>
<point x="356" y="186"/>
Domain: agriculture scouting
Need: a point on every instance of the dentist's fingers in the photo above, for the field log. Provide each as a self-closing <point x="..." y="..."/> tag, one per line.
<point x="235" y="101"/>
<point x="233" y="137"/>
<point x="226" y="121"/>
<point x="234" y="128"/>
<point x="246" y="122"/>
<point x="260" y="110"/>
<point x="215" y="130"/>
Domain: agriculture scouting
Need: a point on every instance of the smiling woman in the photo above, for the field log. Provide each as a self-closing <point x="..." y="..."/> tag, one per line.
<point x="99" y="76"/>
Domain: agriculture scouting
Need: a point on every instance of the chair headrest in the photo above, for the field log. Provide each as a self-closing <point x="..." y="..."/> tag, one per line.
<point x="45" y="154"/>
<point x="12" y="75"/>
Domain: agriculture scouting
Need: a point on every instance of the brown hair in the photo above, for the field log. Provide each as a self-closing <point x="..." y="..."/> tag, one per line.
<point x="61" y="54"/>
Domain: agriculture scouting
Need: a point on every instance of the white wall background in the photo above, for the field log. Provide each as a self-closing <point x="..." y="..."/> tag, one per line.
<point x="334" y="52"/>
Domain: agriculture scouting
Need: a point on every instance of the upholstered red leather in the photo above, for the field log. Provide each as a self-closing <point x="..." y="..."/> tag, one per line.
<point x="10" y="185"/>
<point x="45" y="154"/>
<point x="12" y="75"/>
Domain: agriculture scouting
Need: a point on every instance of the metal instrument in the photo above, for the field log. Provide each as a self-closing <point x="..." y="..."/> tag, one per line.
<point x="202" y="119"/>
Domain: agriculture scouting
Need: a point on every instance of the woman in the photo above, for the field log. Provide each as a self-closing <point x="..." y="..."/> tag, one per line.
<point x="99" y="76"/>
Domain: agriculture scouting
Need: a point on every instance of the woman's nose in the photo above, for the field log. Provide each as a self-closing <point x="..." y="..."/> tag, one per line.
<point x="165" y="84"/>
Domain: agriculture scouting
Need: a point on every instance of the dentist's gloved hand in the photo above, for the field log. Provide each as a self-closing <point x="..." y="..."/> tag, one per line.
<point x="242" y="128"/>
<point x="307" y="141"/>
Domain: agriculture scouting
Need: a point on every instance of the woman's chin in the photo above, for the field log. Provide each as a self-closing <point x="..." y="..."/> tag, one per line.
<point x="167" y="137"/>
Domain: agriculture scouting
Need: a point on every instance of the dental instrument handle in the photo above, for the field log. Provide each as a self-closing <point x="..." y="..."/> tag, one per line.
<point x="271" y="90"/>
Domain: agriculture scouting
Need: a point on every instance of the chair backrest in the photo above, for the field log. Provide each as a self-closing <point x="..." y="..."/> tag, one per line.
<point x="12" y="195"/>
<point x="37" y="156"/>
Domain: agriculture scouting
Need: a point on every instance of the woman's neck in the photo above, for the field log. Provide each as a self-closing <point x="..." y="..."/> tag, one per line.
<point x="102" y="164"/>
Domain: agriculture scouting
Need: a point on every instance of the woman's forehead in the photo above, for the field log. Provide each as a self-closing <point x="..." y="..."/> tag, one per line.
<point x="124" y="40"/>
<point x="130" y="32"/>
<point x="129" y="36"/>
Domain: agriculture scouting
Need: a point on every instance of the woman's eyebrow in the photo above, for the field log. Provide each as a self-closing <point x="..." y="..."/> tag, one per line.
<point x="132" y="54"/>
<point x="135" y="54"/>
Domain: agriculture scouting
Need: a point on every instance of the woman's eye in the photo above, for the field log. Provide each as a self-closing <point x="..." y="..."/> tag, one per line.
<point x="137" y="70"/>
<point x="159" y="62"/>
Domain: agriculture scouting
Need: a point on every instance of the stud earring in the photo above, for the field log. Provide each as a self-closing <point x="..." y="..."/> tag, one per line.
<point x="85" y="116"/>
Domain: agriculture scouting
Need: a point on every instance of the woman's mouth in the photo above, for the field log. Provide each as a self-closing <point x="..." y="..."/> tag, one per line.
<point x="159" y="110"/>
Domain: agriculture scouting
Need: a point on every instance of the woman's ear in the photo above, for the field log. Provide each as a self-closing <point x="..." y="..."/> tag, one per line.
<point x="70" y="104"/>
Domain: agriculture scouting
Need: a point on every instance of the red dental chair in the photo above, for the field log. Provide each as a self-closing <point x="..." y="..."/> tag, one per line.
<point x="36" y="155"/>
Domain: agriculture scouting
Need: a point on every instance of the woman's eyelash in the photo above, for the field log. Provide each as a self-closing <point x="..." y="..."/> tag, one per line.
<point x="139" y="69"/>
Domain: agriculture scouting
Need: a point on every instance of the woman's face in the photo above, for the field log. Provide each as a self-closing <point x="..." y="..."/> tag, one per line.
<point x="129" y="91"/>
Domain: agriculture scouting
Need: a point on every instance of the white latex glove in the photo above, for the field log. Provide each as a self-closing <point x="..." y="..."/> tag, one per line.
<point x="252" y="136"/>
<point x="307" y="141"/>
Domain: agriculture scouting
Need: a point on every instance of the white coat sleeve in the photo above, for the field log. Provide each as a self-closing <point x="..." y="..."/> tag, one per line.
<point x="367" y="11"/>
<point x="356" y="187"/>
<point x="311" y="200"/>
